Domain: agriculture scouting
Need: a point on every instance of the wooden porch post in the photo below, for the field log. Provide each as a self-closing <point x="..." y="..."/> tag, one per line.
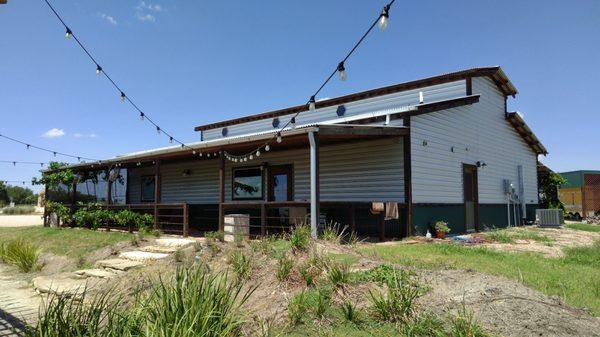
<point x="186" y="220"/>
<point x="108" y="189"/>
<point x="408" y="177"/>
<point x="315" y="211"/>
<point x="157" y="184"/>
<point x="221" y="193"/>
<point x="46" y="224"/>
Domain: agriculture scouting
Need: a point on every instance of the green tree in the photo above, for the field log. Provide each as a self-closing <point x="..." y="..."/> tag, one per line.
<point x="21" y="195"/>
<point x="549" y="185"/>
<point x="3" y="194"/>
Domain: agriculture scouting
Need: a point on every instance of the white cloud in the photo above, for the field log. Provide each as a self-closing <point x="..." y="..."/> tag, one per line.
<point x="54" y="133"/>
<point x="144" y="11"/>
<point x="109" y="19"/>
<point x="81" y="135"/>
<point x="146" y="17"/>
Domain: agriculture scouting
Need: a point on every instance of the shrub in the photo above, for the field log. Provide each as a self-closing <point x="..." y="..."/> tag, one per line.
<point x="321" y="303"/>
<point x="284" y="267"/>
<point x="297" y="308"/>
<point x="349" y="312"/>
<point x="126" y="218"/>
<point x="464" y="325"/>
<point x="18" y="210"/>
<point x="179" y="255"/>
<point x="399" y="302"/>
<point x="300" y="238"/>
<point x="442" y="227"/>
<point x="242" y="264"/>
<point x="309" y="273"/>
<point x="20" y="254"/>
<point x="338" y="273"/>
<point x="333" y="232"/>
<point x="383" y="273"/>
<point x="215" y="236"/>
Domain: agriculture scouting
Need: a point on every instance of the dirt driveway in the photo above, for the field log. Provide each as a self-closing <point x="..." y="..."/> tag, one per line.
<point x="21" y="220"/>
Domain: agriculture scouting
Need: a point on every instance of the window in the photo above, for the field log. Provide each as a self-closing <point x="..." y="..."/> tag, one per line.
<point x="148" y="187"/>
<point x="247" y="184"/>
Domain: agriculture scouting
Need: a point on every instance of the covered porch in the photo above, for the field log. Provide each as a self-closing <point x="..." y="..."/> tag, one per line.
<point x="317" y="174"/>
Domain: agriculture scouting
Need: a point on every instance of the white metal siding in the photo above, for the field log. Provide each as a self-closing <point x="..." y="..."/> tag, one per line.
<point x="359" y="171"/>
<point x="477" y="132"/>
<point x="409" y="97"/>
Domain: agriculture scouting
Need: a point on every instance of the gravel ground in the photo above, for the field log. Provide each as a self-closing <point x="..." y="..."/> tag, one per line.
<point x="21" y="220"/>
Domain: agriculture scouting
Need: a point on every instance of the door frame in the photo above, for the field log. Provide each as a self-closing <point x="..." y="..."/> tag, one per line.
<point x="475" y="195"/>
<point x="278" y="169"/>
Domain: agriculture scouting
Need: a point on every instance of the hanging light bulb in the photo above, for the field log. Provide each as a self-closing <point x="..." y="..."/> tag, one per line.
<point x="279" y="137"/>
<point x="341" y="71"/>
<point x="28" y="146"/>
<point x="200" y="154"/>
<point x="170" y="140"/>
<point x="293" y="122"/>
<point x="68" y="34"/>
<point x="258" y="153"/>
<point x="142" y="116"/>
<point x="122" y="96"/>
<point x="79" y="159"/>
<point x="54" y="153"/>
<point x="98" y="69"/>
<point x="311" y="104"/>
<point x="251" y="157"/>
<point x="194" y="152"/>
<point x="267" y="147"/>
<point x="158" y="130"/>
<point x="42" y="164"/>
<point x="384" y="18"/>
<point x="208" y="155"/>
<point x="245" y="158"/>
<point x="14" y="163"/>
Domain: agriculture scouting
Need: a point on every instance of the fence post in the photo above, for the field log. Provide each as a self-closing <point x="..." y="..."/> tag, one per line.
<point x="186" y="221"/>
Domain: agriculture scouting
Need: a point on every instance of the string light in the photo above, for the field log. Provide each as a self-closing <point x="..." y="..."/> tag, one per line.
<point x="384" y="18"/>
<point x="15" y="162"/>
<point x="68" y="34"/>
<point x="54" y="153"/>
<point x="312" y="104"/>
<point x="293" y="122"/>
<point x="141" y="116"/>
<point x="158" y="130"/>
<point x="341" y="71"/>
<point x="123" y="96"/>
<point x="267" y="147"/>
<point x="279" y="137"/>
<point x="170" y="140"/>
<point x="98" y="70"/>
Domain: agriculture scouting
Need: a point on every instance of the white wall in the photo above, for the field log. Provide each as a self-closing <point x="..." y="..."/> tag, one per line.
<point x="480" y="128"/>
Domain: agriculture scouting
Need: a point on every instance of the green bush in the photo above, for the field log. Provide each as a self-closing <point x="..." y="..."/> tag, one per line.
<point x="126" y="218"/>
<point x="298" y="308"/>
<point x="18" y="210"/>
<point x="338" y="273"/>
<point x="215" y="236"/>
<point x="284" y="267"/>
<point x="399" y="302"/>
<point x="20" y="254"/>
<point x="242" y="264"/>
<point x="350" y="312"/>
<point x="93" y="216"/>
<point x="300" y="238"/>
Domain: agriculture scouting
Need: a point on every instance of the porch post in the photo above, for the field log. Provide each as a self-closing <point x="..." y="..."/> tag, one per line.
<point x="315" y="211"/>
<point x="157" y="192"/>
<point x="407" y="162"/>
<point x="221" y="193"/>
<point x="108" y="189"/>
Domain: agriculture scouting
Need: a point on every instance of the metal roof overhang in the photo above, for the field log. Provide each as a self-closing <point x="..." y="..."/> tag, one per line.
<point x="525" y="132"/>
<point x="293" y="138"/>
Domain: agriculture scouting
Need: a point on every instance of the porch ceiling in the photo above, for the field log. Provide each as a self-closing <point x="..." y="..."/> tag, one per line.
<point x="292" y="138"/>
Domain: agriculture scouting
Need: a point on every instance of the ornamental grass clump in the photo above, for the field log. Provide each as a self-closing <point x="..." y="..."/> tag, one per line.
<point x="284" y="268"/>
<point x="21" y="254"/>
<point x="300" y="238"/>
<point x="398" y="304"/>
<point x="241" y="264"/>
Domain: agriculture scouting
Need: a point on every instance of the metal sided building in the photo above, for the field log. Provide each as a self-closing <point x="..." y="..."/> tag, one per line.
<point x="581" y="193"/>
<point x="387" y="162"/>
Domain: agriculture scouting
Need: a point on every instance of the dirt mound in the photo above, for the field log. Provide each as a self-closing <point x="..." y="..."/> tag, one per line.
<point x="505" y="307"/>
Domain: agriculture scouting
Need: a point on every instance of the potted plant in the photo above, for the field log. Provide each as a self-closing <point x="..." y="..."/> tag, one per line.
<point x="441" y="228"/>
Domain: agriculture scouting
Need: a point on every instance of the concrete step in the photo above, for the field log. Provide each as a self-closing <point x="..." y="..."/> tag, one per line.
<point x="142" y="256"/>
<point x="66" y="284"/>
<point x="118" y="264"/>
<point x="175" y="242"/>
<point x="98" y="273"/>
<point x="159" y="249"/>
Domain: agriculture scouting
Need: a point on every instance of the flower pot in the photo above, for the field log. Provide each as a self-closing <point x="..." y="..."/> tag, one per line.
<point x="440" y="235"/>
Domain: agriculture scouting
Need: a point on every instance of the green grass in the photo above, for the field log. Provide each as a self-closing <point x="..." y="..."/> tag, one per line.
<point x="584" y="227"/>
<point x="575" y="277"/>
<point x="71" y="242"/>
<point x="18" y="210"/>
<point x="509" y="235"/>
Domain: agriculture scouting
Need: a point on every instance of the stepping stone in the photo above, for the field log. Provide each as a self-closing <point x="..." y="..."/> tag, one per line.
<point x="174" y="242"/>
<point x="65" y="285"/>
<point x="118" y="264"/>
<point x="159" y="249"/>
<point x="142" y="256"/>
<point x="98" y="273"/>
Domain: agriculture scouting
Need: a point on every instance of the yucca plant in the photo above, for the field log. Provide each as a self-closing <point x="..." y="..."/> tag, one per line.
<point x="21" y="254"/>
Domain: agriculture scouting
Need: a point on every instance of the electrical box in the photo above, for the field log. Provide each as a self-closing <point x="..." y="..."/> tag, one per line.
<point x="507" y="186"/>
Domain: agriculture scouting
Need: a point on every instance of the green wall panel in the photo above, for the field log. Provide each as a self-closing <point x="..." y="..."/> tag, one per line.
<point x="425" y="216"/>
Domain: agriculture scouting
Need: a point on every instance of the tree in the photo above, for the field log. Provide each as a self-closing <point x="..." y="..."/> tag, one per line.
<point x="549" y="185"/>
<point x="3" y="194"/>
<point x="21" y="195"/>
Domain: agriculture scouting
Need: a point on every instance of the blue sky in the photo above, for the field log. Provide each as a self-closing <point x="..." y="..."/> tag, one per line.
<point x="188" y="63"/>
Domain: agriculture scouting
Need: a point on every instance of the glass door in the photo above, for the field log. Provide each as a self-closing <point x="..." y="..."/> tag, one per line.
<point x="280" y="183"/>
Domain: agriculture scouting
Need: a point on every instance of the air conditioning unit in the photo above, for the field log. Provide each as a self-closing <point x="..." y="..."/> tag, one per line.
<point x="549" y="217"/>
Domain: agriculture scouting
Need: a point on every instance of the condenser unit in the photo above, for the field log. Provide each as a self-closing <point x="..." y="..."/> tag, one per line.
<point x="549" y="217"/>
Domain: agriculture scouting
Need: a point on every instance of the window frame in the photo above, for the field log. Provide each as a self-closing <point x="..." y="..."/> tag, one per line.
<point x="262" y="182"/>
<point x="142" y="178"/>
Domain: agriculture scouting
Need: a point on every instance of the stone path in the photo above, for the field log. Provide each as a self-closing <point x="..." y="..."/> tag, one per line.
<point x="19" y="303"/>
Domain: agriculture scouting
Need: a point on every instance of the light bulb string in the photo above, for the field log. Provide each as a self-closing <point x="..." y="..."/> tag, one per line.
<point x="327" y="80"/>
<point x="15" y="162"/>
<point x="103" y="71"/>
<point x="29" y="145"/>
<point x="14" y="181"/>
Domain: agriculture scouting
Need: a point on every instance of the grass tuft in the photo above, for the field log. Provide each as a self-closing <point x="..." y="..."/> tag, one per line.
<point x="21" y="254"/>
<point x="242" y="264"/>
<point x="284" y="268"/>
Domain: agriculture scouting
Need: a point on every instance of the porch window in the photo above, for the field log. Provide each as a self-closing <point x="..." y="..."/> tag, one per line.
<point x="148" y="187"/>
<point x="247" y="184"/>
